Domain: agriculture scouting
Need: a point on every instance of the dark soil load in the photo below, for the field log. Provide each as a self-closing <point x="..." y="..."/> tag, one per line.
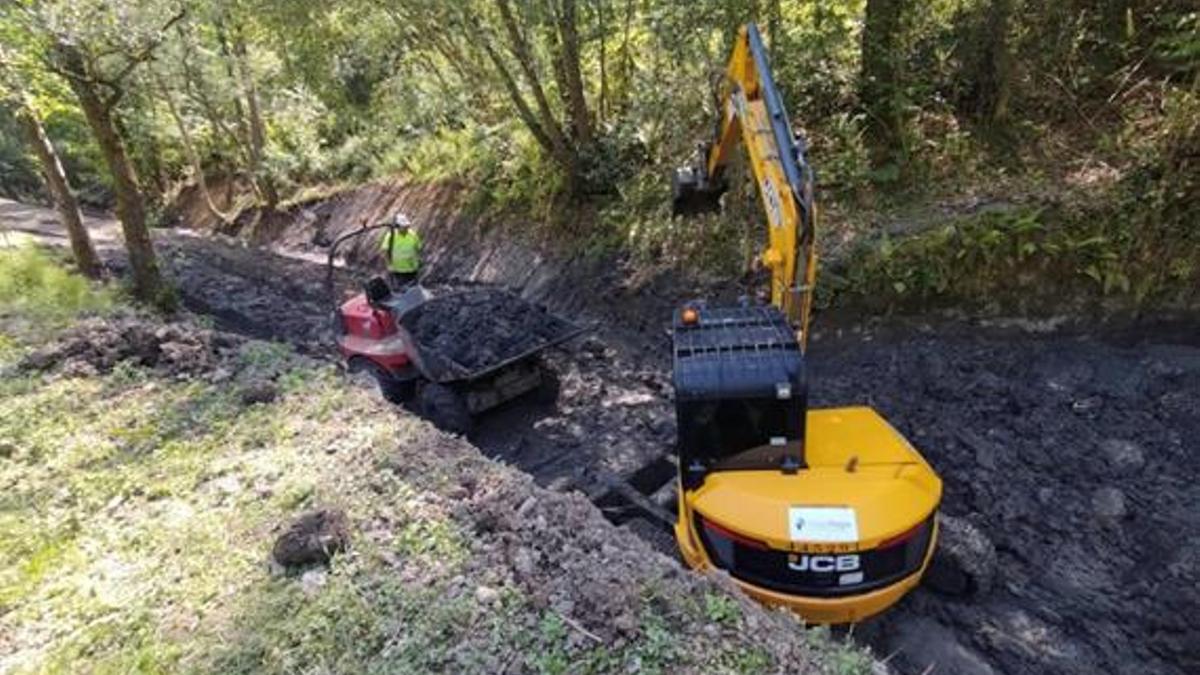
<point x="470" y="331"/>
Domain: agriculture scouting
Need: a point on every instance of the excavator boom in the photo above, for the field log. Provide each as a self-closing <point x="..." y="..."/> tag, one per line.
<point x="753" y="112"/>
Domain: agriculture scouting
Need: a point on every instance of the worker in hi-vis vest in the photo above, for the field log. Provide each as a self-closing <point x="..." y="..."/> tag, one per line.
<point x="401" y="248"/>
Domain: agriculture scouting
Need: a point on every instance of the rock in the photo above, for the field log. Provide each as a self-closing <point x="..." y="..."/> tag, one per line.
<point x="593" y="345"/>
<point x="258" y="391"/>
<point x="1123" y="457"/>
<point x="1087" y="404"/>
<point x="524" y="563"/>
<point x="625" y="623"/>
<point x="486" y="595"/>
<point x="42" y="359"/>
<point x="526" y="508"/>
<point x="1108" y="505"/>
<point x="964" y="562"/>
<point x="312" y="581"/>
<point x="313" y="538"/>
<point x="985" y="452"/>
<point x="78" y="369"/>
<point x="923" y="645"/>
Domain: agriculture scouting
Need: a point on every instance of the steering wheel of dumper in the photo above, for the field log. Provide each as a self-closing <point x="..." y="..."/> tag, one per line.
<point x="370" y="287"/>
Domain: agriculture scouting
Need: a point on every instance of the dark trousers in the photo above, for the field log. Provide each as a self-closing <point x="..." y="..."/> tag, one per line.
<point x="402" y="280"/>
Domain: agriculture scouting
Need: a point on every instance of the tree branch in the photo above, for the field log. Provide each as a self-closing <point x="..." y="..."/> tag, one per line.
<point x="145" y="54"/>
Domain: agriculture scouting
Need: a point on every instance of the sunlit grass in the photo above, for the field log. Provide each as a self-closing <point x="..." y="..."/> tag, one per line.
<point x="33" y="283"/>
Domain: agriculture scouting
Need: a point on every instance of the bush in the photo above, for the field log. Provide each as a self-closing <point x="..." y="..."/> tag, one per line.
<point x="33" y="282"/>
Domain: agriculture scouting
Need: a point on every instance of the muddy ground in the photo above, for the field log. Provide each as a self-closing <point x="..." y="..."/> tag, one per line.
<point x="1076" y="456"/>
<point x="1078" y="459"/>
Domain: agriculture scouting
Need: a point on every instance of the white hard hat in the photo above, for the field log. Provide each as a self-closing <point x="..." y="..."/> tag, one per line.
<point x="402" y="220"/>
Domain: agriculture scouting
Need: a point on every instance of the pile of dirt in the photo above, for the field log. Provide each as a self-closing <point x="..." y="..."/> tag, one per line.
<point x="97" y="345"/>
<point x="475" y="329"/>
<point x="609" y="589"/>
<point x="312" y="539"/>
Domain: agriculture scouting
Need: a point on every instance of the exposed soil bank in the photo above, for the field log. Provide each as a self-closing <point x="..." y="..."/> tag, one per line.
<point x="632" y="303"/>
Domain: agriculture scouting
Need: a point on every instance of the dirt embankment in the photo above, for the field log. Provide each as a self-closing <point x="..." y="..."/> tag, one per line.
<point x="632" y="303"/>
<point x="445" y="562"/>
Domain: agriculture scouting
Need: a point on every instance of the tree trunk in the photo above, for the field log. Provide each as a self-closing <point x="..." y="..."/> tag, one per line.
<point x="196" y="88"/>
<point x="774" y="26"/>
<point x="189" y="148"/>
<point x="602" y="105"/>
<point x="557" y="151"/>
<point x="879" y="85"/>
<point x="257" y="129"/>
<point x="239" y="113"/>
<point x="60" y="190"/>
<point x="525" y="59"/>
<point x="131" y="208"/>
<point x="581" y="122"/>
<point x="987" y="69"/>
<point x="1001" y="61"/>
<point x="626" y="56"/>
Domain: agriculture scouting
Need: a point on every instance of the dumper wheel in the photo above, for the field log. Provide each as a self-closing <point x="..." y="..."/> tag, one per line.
<point x="393" y="390"/>
<point x="445" y="408"/>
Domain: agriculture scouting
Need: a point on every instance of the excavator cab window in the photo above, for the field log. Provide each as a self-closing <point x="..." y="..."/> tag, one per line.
<point x="743" y="433"/>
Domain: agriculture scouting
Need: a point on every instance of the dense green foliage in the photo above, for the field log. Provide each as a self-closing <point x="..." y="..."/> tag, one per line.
<point x="534" y="103"/>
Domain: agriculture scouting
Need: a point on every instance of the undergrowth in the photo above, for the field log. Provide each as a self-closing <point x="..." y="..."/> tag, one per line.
<point x="33" y="283"/>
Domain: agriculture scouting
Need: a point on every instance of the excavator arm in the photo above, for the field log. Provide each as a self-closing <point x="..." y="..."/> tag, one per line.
<point x="752" y="111"/>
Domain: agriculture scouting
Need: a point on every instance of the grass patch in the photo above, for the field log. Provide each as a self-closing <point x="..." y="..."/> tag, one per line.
<point x="136" y="515"/>
<point x="35" y="285"/>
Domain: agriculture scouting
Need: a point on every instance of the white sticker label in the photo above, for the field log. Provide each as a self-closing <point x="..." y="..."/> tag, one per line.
<point x="823" y="524"/>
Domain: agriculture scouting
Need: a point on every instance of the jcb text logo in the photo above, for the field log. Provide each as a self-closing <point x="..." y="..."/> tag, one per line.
<point x="824" y="563"/>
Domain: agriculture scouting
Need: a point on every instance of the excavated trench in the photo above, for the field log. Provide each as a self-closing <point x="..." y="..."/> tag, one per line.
<point x="1078" y="458"/>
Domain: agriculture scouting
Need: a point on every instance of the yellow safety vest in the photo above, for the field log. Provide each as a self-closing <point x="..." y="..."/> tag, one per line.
<point x="405" y="251"/>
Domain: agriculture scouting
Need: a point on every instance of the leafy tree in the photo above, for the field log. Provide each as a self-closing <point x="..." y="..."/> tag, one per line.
<point x="54" y="175"/>
<point x="96" y="45"/>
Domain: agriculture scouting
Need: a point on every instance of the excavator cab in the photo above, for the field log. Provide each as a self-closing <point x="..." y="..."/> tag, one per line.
<point x="739" y="391"/>
<point x="830" y="512"/>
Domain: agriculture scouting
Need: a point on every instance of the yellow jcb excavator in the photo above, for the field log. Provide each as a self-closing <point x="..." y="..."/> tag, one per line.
<point x="828" y="511"/>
